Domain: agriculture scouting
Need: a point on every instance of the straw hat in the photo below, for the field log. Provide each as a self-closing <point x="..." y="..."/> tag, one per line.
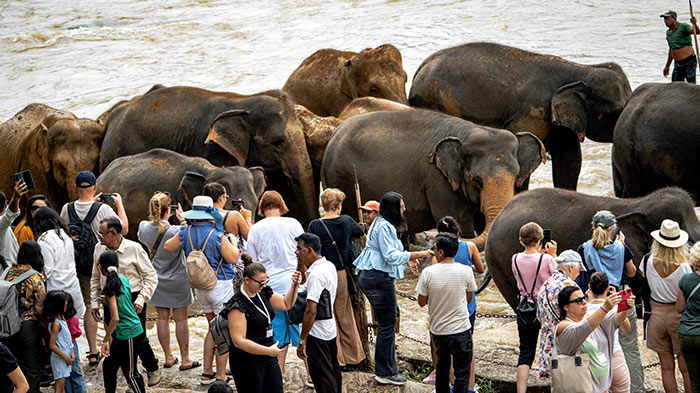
<point x="670" y="234"/>
<point x="201" y="209"/>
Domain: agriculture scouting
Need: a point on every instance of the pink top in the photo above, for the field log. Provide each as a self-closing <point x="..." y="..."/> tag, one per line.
<point x="74" y="327"/>
<point x="527" y="263"/>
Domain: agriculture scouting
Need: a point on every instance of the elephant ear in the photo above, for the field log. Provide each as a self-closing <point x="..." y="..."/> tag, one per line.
<point x="259" y="181"/>
<point x="637" y="228"/>
<point x="229" y="132"/>
<point x="348" y="86"/>
<point x="191" y="185"/>
<point x="531" y="153"/>
<point x="447" y="159"/>
<point x="568" y="107"/>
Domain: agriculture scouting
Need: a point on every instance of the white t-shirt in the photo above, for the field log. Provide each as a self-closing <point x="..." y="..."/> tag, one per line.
<point x="319" y="276"/>
<point x="82" y="209"/>
<point x="271" y="242"/>
<point x="446" y="286"/>
<point x="664" y="289"/>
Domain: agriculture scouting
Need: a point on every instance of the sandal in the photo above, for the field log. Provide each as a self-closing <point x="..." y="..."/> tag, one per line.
<point x="194" y="364"/>
<point x="227" y="381"/>
<point x="174" y="362"/>
<point x="210" y="378"/>
<point x="94" y="358"/>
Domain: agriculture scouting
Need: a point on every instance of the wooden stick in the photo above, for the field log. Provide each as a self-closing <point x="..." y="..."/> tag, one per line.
<point x="695" y="34"/>
<point x="358" y="198"/>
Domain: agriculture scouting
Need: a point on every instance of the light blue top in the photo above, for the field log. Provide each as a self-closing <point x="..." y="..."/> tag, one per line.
<point x="64" y="341"/>
<point x="464" y="258"/>
<point x="384" y="250"/>
<point x="609" y="260"/>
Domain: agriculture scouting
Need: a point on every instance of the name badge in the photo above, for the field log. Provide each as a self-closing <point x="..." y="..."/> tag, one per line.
<point x="269" y="332"/>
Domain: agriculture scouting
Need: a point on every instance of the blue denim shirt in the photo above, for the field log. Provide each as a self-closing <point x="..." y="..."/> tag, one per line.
<point x="384" y="250"/>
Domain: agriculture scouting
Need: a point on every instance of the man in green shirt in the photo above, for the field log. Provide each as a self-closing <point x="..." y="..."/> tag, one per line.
<point x="680" y="48"/>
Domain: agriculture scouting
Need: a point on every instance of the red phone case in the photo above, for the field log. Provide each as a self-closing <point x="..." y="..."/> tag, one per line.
<point x="624" y="295"/>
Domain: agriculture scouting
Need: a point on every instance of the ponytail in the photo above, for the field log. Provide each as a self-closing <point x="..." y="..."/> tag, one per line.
<point x="601" y="236"/>
<point x="109" y="261"/>
<point x="250" y="268"/>
<point x="157" y="207"/>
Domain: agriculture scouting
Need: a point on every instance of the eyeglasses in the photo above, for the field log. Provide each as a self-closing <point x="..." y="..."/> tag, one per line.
<point x="579" y="300"/>
<point x="101" y="235"/>
<point x="263" y="282"/>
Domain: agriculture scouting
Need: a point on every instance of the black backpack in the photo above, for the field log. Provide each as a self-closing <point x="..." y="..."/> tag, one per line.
<point x="84" y="238"/>
<point x="527" y="306"/>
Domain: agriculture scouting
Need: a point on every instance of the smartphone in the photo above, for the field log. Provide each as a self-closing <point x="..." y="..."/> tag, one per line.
<point x="237" y="204"/>
<point x="173" y="209"/>
<point x="624" y="295"/>
<point x="106" y="198"/>
<point x="546" y="238"/>
<point x="26" y="177"/>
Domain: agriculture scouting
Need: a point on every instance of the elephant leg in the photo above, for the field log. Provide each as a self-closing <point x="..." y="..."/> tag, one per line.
<point x="618" y="183"/>
<point x="565" y="150"/>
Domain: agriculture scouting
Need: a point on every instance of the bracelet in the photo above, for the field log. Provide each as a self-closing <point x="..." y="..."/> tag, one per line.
<point x="604" y="310"/>
<point x="249" y="221"/>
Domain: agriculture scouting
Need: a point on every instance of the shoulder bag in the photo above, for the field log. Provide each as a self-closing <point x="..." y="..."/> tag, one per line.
<point x="570" y="374"/>
<point x="324" y="309"/>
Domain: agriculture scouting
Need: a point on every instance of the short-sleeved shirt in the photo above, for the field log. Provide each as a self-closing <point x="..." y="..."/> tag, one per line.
<point x="446" y="286"/>
<point x="663" y="289"/>
<point x="271" y="242"/>
<point x="82" y="209"/>
<point x="8" y="364"/>
<point x="465" y="258"/>
<point x="129" y="325"/>
<point x="322" y="275"/>
<point x="527" y="264"/>
<point x="256" y="323"/>
<point x="341" y="230"/>
<point x="679" y="37"/>
<point x="199" y="231"/>
<point x="690" y="319"/>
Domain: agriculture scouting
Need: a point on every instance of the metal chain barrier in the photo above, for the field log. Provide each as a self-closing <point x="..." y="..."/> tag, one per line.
<point x="154" y="319"/>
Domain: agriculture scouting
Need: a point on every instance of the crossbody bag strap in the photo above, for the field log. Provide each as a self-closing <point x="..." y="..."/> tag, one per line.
<point x="154" y="250"/>
<point x="335" y="244"/>
<point x="692" y="293"/>
<point x="534" y="282"/>
<point x="515" y="262"/>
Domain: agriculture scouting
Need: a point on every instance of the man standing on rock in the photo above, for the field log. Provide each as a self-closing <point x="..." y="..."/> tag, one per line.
<point x="680" y="48"/>
<point x="449" y="287"/>
<point x="317" y="338"/>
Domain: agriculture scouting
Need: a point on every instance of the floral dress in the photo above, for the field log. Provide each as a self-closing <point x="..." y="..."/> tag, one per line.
<point x="548" y="314"/>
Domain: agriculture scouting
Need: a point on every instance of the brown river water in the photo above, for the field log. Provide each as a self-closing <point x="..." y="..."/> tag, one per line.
<point x="84" y="56"/>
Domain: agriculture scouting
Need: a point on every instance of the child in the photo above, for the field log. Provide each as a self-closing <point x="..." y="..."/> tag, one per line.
<point x="76" y="383"/>
<point x="121" y="338"/>
<point x="62" y="354"/>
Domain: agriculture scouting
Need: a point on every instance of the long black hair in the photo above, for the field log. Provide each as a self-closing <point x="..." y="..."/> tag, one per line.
<point x="29" y="218"/>
<point x="563" y="299"/>
<point x="30" y="254"/>
<point x="113" y="285"/>
<point x="46" y="219"/>
<point x="54" y="305"/>
<point x="390" y="209"/>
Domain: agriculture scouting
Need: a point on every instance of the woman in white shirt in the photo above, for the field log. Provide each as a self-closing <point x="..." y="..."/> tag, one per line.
<point x="56" y="245"/>
<point x="663" y="268"/>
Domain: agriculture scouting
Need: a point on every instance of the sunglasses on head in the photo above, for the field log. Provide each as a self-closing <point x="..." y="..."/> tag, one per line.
<point x="579" y="300"/>
<point x="162" y="192"/>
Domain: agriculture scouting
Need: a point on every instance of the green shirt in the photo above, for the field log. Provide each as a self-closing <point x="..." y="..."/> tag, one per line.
<point x="679" y="37"/>
<point x="129" y="325"/>
<point x="690" y="319"/>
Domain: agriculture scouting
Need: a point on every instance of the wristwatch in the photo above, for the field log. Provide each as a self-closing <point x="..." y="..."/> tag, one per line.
<point x="302" y="342"/>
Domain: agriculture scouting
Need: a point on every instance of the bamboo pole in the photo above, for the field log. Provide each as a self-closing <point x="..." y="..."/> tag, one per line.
<point x="695" y="34"/>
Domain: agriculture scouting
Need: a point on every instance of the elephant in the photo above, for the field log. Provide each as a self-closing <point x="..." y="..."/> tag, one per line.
<point x="442" y="165"/>
<point x="54" y="145"/>
<point x="656" y="141"/>
<point x="330" y="79"/>
<point x="227" y="129"/>
<point x="559" y="101"/>
<point x="568" y="214"/>
<point x="138" y="176"/>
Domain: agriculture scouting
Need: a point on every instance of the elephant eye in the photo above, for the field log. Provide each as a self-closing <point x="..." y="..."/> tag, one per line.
<point x="374" y="90"/>
<point x="479" y="181"/>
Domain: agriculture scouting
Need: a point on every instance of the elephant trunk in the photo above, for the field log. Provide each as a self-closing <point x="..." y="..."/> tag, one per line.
<point x="298" y="169"/>
<point x="497" y="191"/>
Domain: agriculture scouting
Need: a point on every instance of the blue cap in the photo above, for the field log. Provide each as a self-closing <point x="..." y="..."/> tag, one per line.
<point x="85" y="179"/>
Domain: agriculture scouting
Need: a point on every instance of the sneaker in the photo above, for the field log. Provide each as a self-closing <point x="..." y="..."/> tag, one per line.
<point x="154" y="378"/>
<point x="430" y="379"/>
<point x="398" y="380"/>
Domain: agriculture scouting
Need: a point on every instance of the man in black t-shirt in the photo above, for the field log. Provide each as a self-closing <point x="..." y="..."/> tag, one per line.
<point x="11" y="377"/>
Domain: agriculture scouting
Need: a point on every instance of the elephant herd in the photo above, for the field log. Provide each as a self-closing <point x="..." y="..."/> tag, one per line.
<point x="478" y="120"/>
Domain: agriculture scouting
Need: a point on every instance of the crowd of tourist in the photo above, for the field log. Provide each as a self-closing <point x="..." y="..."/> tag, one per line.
<point x="274" y="285"/>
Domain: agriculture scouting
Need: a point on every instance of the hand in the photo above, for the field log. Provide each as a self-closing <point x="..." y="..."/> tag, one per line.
<point x="117" y="200"/>
<point x="96" y="314"/>
<point x="666" y="69"/>
<point x="363" y="225"/>
<point x="693" y="20"/>
<point x="245" y="213"/>
<point x="68" y="360"/>
<point x="621" y="237"/>
<point x="612" y="300"/>
<point x="178" y="213"/>
<point x="20" y="189"/>
<point x="301" y="351"/>
<point x="630" y="301"/>
<point x="138" y="308"/>
<point x="413" y="265"/>
<point x="296" y="277"/>
<point x="105" y="349"/>
<point x="273" y="350"/>
<point x="550" y="248"/>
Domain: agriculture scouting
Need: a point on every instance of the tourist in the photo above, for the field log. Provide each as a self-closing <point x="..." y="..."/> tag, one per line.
<point x="335" y="231"/>
<point x="680" y="48"/>
<point x="23" y="230"/>
<point x="53" y="236"/>
<point x="449" y="287"/>
<point x="11" y="377"/>
<point x="254" y="356"/>
<point x="531" y="268"/>
<point x="380" y="263"/>
<point x="370" y="211"/>
<point x="9" y="212"/>
<point x="317" y="340"/>
<point x="568" y="268"/>
<point x="663" y="269"/>
<point x="173" y="294"/>
<point x="143" y="280"/>
<point x="124" y="333"/>
<point x="27" y="343"/>
<point x="689" y="327"/>
<point x="206" y="233"/>
<point x="60" y="343"/>
<point x="80" y="210"/>
<point x="271" y="243"/>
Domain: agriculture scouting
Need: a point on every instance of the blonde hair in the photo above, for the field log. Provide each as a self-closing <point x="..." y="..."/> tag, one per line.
<point x="530" y="234"/>
<point x="272" y="200"/>
<point x="601" y="236"/>
<point x="157" y="207"/>
<point x="666" y="257"/>
<point x="694" y="258"/>
<point x="331" y="198"/>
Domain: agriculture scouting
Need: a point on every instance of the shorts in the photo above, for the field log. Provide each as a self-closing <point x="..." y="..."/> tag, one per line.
<point x="284" y="332"/>
<point x="528" y="335"/>
<point x="213" y="300"/>
<point x="85" y="288"/>
<point x="662" y="331"/>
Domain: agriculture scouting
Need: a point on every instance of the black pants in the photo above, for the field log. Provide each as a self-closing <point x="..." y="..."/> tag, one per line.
<point x="684" y="70"/>
<point x="122" y="354"/>
<point x="323" y="365"/>
<point x="144" y="350"/>
<point x="456" y="350"/>
<point x="255" y="373"/>
<point x="27" y="346"/>
<point x="528" y="335"/>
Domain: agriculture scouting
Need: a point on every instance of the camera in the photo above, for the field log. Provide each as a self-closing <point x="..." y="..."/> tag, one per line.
<point x="107" y="198"/>
<point x="237" y="204"/>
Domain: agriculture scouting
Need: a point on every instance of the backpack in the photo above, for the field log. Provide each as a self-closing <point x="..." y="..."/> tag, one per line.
<point x="9" y="305"/>
<point x="220" y="333"/>
<point x="199" y="272"/>
<point x="527" y="307"/>
<point x="84" y="238"/>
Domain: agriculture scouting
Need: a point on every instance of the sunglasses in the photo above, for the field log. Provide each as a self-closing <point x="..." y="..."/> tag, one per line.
<point x="35" y="207"/>
<point x="579" y="300"/>
<point x="263" y="282"/>
<point x="162" y="192"/>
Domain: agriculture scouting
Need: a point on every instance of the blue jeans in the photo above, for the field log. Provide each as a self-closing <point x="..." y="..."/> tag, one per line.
<point x="76" y="383"/>
<point x="380" y="291"/>
<point x="456" y="350"/>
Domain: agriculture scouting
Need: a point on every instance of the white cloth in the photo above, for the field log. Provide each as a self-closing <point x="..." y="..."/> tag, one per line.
<point x="213" y="300"/>
<point x="59" y="266"/>
<point x="665" y="289"/>
<point x="8" y="241"/>
<point x="446" y="286"/>
<point x="321" y="275"/>
<point x="271" y="242"/>
<point x="593" y="306"/>
<point x="82" y="209"/>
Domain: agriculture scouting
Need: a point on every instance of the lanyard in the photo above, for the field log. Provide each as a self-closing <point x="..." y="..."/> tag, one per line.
<point x="265" y="313"/>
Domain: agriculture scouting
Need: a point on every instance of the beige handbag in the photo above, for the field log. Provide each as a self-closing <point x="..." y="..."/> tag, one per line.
<point x="570" y="374"/>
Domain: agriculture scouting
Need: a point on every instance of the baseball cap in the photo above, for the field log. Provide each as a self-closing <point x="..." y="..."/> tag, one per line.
<point x="85" y="177"/>
<point x="604" y="218"/>
<point x="669" y="13"/>
<point x="570" y="256"/>
<point x="369" y="206"/>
